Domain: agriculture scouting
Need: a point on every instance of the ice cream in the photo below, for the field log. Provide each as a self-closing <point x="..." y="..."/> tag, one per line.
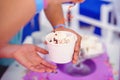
<point x="60" y="37"/>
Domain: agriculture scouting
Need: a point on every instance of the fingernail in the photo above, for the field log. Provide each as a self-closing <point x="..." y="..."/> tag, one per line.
<point x="45" y="71"/>
<point x="74" y="62"/>
<point x="50" y="70"/>
<point x="54" y="72"/>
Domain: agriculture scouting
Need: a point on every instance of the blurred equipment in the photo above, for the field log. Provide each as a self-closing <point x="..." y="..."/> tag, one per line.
<point x="103" y="18"/>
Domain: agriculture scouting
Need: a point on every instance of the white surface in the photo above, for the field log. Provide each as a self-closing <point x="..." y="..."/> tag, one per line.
<point x="113" y="51"/>
<point x="14" y="72"/>
<point x="38" y="37"/>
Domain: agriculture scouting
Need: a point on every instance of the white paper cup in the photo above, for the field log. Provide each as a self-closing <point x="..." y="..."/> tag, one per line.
<point x="61" y="53"/>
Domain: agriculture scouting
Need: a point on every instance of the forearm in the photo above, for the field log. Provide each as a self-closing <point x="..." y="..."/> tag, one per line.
<point x="8" y="50"/>
<point x="54" y="13"/>
<point x="14" y="14"/>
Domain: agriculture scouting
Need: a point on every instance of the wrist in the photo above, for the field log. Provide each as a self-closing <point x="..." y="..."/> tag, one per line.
<point x="59" y="26"/>
<point x="8" y="50"/>
<point x="15" y="50"/>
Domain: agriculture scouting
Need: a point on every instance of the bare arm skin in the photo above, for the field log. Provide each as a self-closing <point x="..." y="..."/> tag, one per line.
<point x="14" y="14"/>
<point x="56" y="10"/>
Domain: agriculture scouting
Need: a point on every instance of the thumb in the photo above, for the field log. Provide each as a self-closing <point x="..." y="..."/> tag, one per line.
<point x="41" y="50"/>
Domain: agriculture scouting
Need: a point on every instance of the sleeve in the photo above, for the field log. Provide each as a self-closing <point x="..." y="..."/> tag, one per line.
<point x="39" y="5"/>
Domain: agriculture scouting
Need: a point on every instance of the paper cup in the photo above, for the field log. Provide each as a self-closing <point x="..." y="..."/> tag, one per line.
<point x="61" y="53"/>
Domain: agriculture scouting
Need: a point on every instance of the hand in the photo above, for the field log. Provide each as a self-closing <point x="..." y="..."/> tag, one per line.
<point x="77" y="45"/>
<point x="28" y="57"/>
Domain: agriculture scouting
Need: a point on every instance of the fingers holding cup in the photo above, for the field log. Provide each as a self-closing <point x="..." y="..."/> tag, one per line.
<point x="77" y="49"/>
